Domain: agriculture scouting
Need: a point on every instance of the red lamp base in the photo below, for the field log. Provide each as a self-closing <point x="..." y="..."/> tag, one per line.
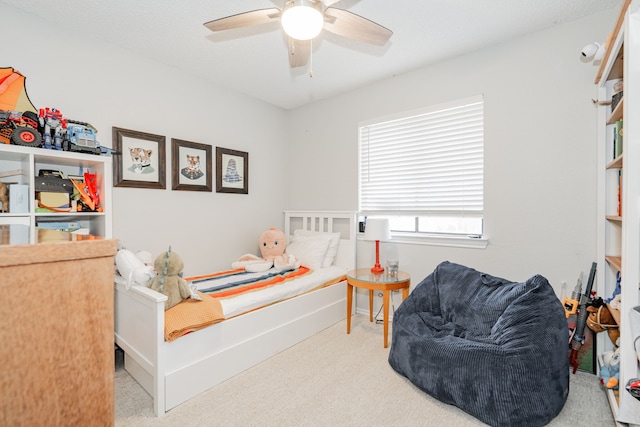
<point x="377" y="268"/>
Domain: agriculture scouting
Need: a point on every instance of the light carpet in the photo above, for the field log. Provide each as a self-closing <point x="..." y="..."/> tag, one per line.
<point x="331" y="379"/>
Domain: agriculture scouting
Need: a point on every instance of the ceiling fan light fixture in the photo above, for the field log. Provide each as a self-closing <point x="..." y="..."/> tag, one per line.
<point x="302" y="20"/>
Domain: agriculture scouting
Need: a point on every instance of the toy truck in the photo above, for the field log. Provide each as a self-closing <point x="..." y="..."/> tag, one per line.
<point x="81" y="137"/>
<point x="20" y="128"/>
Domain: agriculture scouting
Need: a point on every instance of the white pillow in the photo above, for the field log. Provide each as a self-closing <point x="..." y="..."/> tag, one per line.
<point x="309" y="250"/>
<point x="332" y="250"/>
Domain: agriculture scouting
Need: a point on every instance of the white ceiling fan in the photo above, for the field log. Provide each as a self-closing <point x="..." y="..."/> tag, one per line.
<point x="302" y="20"/>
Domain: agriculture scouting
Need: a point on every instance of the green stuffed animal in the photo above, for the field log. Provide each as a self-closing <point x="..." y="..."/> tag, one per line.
<point x="168" y="281"/>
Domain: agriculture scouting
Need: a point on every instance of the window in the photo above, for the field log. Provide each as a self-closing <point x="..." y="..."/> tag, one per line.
<point x="424" y="170"/>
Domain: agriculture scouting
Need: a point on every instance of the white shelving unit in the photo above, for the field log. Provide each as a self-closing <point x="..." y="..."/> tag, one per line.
<point x="23" y="164"/>
<point x="619" y="232"/>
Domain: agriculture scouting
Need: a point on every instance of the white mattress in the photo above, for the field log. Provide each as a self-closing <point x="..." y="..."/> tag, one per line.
<point x="252" y="300"/>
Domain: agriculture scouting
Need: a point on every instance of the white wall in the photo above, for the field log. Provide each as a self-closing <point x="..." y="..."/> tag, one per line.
<point x="106" y="86"/>
<point x="540" y="152"/>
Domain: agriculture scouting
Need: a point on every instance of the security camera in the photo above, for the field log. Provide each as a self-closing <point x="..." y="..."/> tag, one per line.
<point x="590" y="50"/>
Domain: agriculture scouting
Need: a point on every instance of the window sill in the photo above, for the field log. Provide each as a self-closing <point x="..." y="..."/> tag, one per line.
<point x="433" y="240"/>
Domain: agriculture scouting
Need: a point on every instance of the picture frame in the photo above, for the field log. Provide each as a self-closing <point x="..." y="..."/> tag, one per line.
<point x="191" y="165"/>
<point x="232" y="171"/>
<point x="142" y="162"/>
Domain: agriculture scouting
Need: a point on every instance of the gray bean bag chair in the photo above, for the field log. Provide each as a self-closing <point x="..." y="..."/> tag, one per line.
<point x="494" y="348"/>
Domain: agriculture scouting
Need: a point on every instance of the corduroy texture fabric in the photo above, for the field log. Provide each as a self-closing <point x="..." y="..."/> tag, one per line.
<point x="494" y="348"/>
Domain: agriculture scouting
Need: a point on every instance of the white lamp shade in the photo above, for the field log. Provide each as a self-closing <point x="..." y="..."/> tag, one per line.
<point x="377" y="229"/>
<point x="302" y="20"/>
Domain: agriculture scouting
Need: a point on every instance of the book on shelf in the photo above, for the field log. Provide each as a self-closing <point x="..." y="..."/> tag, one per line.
<point x="620" y="193"/>
<point x="618" y="89"/>
<point x="59" y="225"/>
<point x="617" y="139"/>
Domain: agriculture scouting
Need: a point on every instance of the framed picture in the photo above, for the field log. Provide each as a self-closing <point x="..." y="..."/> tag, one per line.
<point x="191" y="166"/>
<point x="142" y="163"/>
<point x="232" y="171"/>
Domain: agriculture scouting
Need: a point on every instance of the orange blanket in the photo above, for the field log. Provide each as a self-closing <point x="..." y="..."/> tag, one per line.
<point x="191" y="315"/>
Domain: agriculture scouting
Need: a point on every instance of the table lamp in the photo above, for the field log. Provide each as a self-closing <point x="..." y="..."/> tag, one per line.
<point x="377" y="229"/>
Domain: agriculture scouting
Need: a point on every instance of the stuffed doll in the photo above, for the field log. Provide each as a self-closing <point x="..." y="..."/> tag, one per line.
<point x="136" y="269"/>
<point x="610" y="370"/>
<point x="169" y="266"/>
<point x="272" y="245"/>
<point x="600" y="319"/>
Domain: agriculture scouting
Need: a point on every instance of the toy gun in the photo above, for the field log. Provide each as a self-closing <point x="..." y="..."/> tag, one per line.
<point x="578" y="336"/>
<point x="571" y="304"/>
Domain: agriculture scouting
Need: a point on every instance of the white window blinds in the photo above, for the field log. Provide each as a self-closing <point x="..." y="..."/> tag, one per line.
<point x="426" y="162"/>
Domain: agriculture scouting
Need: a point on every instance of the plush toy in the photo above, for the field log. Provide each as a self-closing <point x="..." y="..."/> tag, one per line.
<point x="615" y="302"/>
<point x="600" y="319"/>
<point x="136" y="269"/>
<point x="610" y="370"/>
<point x="169" y="266"/>
<point x="272" y="245"/>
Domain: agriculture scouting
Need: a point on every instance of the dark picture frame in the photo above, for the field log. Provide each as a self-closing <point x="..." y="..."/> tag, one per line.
<point x="232" y="171"/>
<point x="142" y="163"/>
<point x="191" y="165"/>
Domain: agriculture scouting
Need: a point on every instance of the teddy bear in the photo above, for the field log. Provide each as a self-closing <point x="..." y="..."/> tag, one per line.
<point x="610" y="370"/>
<point x="600" y="319"/>
<point x="169" y="266"/>
<point x="272" y="248"/>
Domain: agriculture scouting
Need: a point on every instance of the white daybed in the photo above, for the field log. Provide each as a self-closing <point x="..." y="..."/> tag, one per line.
<point x="173" y="372"/>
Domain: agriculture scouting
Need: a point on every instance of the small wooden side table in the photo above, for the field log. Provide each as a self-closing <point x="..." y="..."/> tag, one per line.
<point x="364" y="278"/>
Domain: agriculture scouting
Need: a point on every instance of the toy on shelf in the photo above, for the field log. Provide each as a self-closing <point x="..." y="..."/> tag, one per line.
<point x="56" y="193"/>
<point x="20" y="128"/>
<point x="21" y="123"/>
<point x="600" y="319"/>
<point x="13" y="91"/>
<point x="610" y="370"/>
<point x="52" y="122"/>
<point x="633" y="387"/>
<point x="53" y="191"/>
<point x="81" y="137"/>
<point x="88" y="191"/>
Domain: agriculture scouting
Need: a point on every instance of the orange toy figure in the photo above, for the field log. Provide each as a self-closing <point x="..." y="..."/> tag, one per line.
<point x="88" y="191"/>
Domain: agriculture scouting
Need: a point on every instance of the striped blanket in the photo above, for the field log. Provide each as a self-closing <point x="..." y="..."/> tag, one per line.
<point x="191" y="315"/>
<point x="232" y="283"/>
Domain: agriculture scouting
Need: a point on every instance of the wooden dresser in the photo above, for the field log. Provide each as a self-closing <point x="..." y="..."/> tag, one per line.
<point x="56" y="331"/>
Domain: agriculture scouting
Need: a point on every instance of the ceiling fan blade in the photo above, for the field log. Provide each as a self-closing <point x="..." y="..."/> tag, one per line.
<point x="348" y="24"/>
<point x="299" y="52"/>
<point x="328" y="3"/>
<point x="246" y="19"/>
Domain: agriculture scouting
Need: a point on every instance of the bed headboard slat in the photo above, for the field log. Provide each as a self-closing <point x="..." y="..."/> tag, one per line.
<point x="344" y="222"/>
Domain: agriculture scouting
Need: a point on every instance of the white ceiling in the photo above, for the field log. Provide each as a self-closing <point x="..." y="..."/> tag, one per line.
<point x="254" y="60"/>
